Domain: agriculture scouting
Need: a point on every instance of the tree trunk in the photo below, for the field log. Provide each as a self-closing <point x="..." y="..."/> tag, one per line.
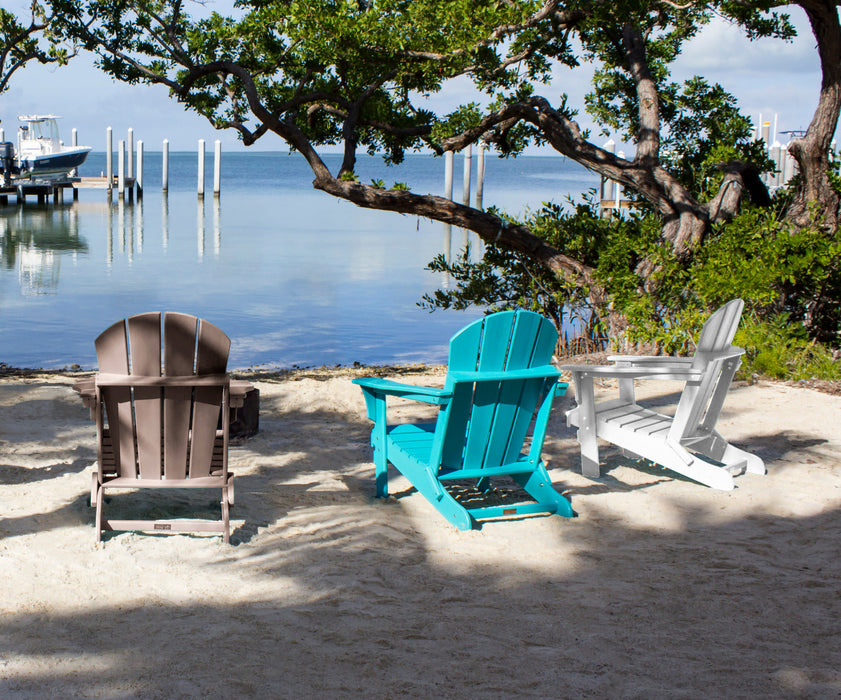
<point x="812" y="151"/>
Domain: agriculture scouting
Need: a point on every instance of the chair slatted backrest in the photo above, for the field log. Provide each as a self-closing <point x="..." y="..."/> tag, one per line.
<point x="165" y="431"/>
<point x="700" y="405"/>
<point x="486" y="422"/>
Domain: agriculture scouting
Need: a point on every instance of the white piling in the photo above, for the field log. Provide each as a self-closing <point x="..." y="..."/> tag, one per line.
<point x="468" y="159"/>
<point x="448" y="193"/>
<point x="74" y="141"/>
<point x="606" y="187"/>
<point x="130" y="148"/>
<point x="139" y="179"/>
<point x="480" y="175"/>
<point x="217" y="167"/>
<point x="109" y="162"/>
<point x="201" y="169"/>
<point x="121" y="168"/>
<point x="776" y="155"/>
<point x="2" y="134"/>
<point x="617" y="188"/>
<point x="448" y="175"/>
<point x="165" y="173"/>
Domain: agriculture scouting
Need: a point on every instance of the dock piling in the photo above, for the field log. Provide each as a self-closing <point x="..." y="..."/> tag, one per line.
<point x="130" y="149"/>
<point x="217" y="167"/>
<point x="109" y="165"/>
<point x="448" y="193"/>
<point x="201" y="169"/>
<point x="480" y="175"/>
<point x="74" y="140"/>
<point x="139" y="178"/>
<point x="121" y="169"/>
<point x="468" y="159"/>
<point x="165" y="173"/>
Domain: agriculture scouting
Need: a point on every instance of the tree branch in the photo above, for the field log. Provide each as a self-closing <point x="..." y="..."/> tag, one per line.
<point x="648" y="138"/>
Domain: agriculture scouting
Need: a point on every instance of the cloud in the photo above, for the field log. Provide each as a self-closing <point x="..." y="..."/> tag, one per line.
<point x="722" y="48"/>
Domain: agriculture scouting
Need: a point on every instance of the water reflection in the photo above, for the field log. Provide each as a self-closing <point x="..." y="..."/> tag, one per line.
<point x="125" y="222"/>
<point x="201" y="228"/>
<point x="165" y="221"/>
<point x="33" y="241"/>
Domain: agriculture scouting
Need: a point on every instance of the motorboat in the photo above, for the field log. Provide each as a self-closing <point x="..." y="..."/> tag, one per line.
<point x="40" y="153"/>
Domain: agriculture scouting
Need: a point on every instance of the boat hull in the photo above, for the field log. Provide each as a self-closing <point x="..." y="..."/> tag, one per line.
<point x="51" y="165"/>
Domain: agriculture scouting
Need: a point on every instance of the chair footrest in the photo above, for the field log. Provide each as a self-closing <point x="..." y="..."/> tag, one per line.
<point x="735" y="468"/>
<point x="511" y="510"/>
<point x="165" y="525"/>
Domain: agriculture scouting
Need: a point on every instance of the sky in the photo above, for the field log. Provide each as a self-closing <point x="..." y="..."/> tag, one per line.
<point x="774" y="80"/>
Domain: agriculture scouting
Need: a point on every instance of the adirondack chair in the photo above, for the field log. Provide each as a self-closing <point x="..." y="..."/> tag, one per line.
<point x="160" y="427"/>
<point x="499" y="379"/>
<point x="686" y="443"/>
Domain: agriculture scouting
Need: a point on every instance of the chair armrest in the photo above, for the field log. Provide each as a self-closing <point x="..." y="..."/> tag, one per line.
<point x="86" y="388"/>
<point x="726" y="354"/>
<point x="650" y="360"/>
<point x="680" y="373"/>
<point x="376" y="390"/>
<point x="543" y="372"/>
<point x="386" y="387"/>
<point x="107" y="379"/>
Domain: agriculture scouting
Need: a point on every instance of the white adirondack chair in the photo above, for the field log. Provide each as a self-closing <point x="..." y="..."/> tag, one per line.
<point x="686" y="443"/>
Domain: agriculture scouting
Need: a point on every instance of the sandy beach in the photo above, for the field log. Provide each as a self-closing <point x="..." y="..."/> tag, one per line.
<point x="660" y="587"/>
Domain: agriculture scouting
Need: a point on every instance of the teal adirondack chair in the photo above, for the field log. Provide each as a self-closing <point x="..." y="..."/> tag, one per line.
<point x="499" y="379"/>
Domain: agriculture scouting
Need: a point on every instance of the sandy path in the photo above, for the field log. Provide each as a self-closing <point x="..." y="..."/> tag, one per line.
<point x="660" y="588"/>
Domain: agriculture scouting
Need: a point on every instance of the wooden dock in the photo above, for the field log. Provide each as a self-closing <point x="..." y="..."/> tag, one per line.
<point x="46" y="192"/>
<point x="101" y="183"/>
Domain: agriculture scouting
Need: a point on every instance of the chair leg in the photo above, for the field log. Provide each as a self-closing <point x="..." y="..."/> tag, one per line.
<point x="428" y="485"/>
<point x="681" y="461"/>
<point x="589" y="453"/>
<point x="226" y="522"/>
<point x="380" y="472"/>
<point x="585" y="397"/>
<point x="754" y="464"/>
<point x="539" y="486"/>
<point x="230" y="489"/>
<point x="94" y="488"/>
<point x="100" y="498"/>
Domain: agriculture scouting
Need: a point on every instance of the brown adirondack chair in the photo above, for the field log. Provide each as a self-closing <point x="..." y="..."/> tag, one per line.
<point x="159" y="426"/>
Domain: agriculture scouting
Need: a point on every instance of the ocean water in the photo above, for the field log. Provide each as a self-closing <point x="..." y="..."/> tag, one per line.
<point x="292" y="275"/>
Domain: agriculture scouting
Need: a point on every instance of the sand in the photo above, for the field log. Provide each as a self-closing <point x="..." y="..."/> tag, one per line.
<point x="660" y="587"/>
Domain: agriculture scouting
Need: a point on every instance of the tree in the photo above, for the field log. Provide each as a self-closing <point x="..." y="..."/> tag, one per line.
<point x="21" y="43"/>
<point x="356" y="72"/>
<point x="812" y="151"/>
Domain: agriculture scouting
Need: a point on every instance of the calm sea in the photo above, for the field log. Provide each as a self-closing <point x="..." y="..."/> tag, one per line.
<point x="293" y="276"/>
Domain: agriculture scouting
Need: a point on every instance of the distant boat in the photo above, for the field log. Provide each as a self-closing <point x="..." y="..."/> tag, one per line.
<point x="40" y="152"/>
